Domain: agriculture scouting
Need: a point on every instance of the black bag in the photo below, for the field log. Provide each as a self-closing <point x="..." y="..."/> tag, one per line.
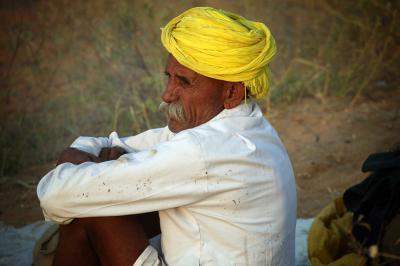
<point x="375" y="203"/>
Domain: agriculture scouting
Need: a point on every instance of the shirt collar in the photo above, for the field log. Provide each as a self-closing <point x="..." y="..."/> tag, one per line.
<point x="246" y="108"/>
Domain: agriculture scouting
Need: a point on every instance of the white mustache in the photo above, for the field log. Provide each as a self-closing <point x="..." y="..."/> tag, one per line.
<point x="173" y="111"/>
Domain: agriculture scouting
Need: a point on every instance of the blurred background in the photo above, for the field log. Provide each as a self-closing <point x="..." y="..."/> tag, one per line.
<point x="71" y="68"/>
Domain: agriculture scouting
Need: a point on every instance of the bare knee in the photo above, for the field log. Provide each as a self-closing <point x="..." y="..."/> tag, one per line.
<point x="115" y="240"/>
<point x="74" y="247"/>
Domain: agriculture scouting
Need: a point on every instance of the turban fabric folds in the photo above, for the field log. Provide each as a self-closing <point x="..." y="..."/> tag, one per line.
<point x="222" y="45"/>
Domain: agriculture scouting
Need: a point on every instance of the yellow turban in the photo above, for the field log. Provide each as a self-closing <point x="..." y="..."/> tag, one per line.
<point x="222" y="45"/>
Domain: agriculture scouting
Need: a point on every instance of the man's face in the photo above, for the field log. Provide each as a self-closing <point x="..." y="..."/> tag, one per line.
<point x="192" y="98"/>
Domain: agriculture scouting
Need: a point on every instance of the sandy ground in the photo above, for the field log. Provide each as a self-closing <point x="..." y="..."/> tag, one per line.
<point x="327" y="139"/>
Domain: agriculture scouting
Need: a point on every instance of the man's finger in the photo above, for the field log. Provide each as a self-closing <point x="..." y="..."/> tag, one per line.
<point x="105" y="154"/>
<point x="116" y="152"/>
<point x="95" y="159"/>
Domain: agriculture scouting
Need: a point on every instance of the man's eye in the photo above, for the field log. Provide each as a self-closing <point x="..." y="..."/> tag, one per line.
<point x="183" y="81"/>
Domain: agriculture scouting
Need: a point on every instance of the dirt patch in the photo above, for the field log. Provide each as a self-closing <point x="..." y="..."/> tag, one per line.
<point x="327" y="139"/>
<point x="19" y="204"/>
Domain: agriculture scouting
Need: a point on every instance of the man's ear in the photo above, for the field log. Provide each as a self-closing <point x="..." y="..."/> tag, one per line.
<point x="234" y="94"/>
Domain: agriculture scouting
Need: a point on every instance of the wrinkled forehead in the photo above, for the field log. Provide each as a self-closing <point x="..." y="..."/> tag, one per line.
<point x="173" y="66"/>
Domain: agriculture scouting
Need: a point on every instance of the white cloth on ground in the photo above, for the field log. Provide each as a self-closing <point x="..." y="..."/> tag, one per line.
<point x="16" y="245"/>
<point x="224" y="189"/>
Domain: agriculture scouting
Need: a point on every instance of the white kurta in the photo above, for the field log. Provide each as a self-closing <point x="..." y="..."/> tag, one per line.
<point x="224" y="190"/>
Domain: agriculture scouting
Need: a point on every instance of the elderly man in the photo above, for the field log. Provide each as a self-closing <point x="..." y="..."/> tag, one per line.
<point x="218" y="175"/>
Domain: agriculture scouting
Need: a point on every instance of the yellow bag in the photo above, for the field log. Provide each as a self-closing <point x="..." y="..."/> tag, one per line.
<point x="330" y="242"/>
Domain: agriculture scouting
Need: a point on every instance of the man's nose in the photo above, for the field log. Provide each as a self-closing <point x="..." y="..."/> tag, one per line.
<point x="170" y="93"/>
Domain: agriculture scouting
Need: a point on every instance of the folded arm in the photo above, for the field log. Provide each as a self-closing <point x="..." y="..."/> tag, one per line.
<point x="170" y="174"/>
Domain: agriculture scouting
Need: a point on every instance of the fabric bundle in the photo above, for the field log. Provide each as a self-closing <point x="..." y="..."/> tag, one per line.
<point x="222" y="45"/>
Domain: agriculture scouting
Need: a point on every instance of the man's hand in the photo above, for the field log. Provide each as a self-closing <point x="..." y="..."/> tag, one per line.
<point x="107" y="154"/>
<point x="75" y="156"/>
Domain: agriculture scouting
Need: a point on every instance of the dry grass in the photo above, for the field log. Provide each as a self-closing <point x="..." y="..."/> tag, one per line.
<point x="90" y="67"/>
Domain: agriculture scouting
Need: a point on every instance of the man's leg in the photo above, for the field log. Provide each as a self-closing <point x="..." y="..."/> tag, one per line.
<point x="105" y="240"/>
<point x="74" y="247"/>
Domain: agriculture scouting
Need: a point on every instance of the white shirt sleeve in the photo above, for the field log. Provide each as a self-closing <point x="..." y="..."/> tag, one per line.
<point x="144" y="140"/>
<point x="169" y="175"/>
